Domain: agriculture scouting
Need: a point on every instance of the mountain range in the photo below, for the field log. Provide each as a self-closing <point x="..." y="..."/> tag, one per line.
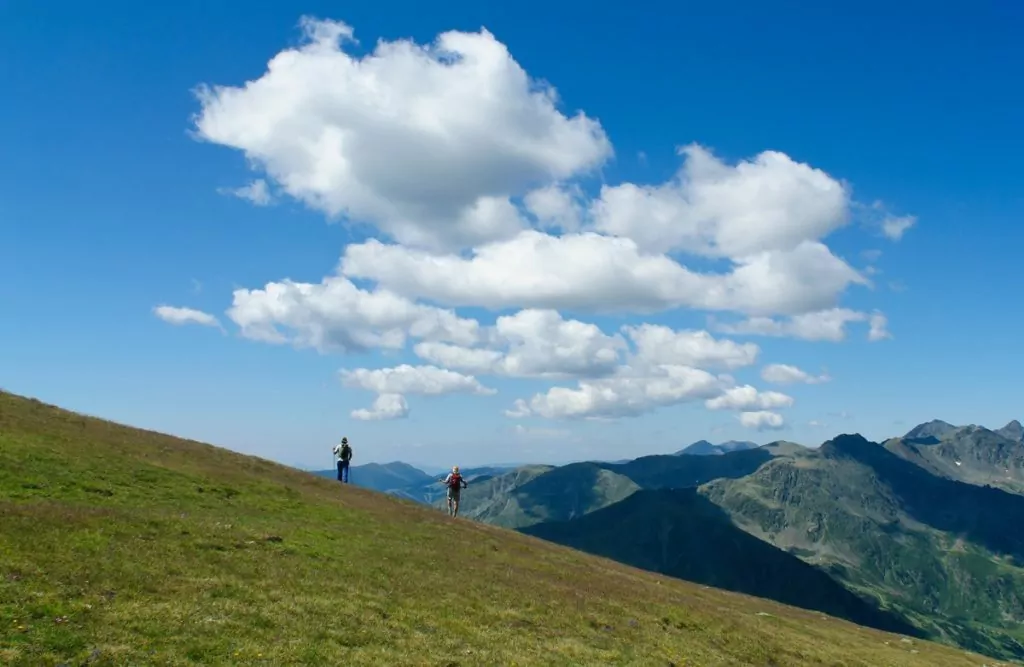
<point x="916" y="534"/>
<point x="705" y="448"/>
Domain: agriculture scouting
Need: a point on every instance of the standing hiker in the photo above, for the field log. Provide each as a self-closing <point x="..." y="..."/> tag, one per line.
<point x="342" y="455"/>
<point x="455" y="484"/>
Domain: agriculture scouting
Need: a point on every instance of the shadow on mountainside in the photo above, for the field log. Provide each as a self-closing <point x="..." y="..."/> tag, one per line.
<point x="678" y="471"/>
<point x="570" y="491"/>
<point x="680" y="533"/>
<point x="985" y="515"/>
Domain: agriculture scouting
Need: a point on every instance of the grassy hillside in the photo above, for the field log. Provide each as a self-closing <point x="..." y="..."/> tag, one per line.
<point x="121" y="546"/>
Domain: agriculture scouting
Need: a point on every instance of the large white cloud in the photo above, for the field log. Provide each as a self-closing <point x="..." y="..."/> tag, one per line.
<point x="534" y="343"/>
<point x="630" y="393"/>
<point x="426" y="142"/>
<point x="335" y="314"/>
<point x="710" y="208"/>
<point x="473" y="175"/>
<point x="597" y="273"/>
<point x="657" y="344"/>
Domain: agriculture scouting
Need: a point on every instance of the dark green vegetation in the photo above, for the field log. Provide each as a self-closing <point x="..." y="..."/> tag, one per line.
<point x="919" y="538"/>
<point x="127" y="547"/>
<point x="941" y="552"/>
<point x="680" y="533"/>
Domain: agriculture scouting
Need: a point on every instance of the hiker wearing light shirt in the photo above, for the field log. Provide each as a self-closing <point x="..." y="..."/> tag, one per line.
<point x="342" y="455"/>
<point x="455" y="484"/>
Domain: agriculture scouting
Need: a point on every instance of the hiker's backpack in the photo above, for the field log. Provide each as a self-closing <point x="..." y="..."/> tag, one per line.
<point x="455" y="480"/>
<point x="346" y="452"/>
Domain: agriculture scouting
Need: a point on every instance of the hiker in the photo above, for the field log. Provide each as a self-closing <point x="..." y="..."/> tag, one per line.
<point x="342" y="455"/>
<point x="455" y="484"/>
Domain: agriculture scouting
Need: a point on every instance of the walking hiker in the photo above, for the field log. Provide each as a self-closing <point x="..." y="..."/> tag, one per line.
<point x="455" y="484"/>
<point x="342" y="455"/>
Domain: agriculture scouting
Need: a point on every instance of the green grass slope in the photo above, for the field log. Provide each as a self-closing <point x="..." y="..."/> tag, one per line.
<point x="126" y="547"/>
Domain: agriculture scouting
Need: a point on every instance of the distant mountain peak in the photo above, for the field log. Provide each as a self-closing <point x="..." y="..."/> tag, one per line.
<point x="705" y="448"/>
<point x="1012" y="431"/>
<point x="848" y="443"/>
<point x="936" y="428"/>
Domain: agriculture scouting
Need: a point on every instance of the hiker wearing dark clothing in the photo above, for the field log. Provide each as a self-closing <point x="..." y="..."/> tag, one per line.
<point x="342" y="455"/>
<point x="455" y="484"/>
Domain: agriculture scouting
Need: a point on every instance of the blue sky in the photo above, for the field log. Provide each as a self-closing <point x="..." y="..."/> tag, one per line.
<point x="112" y="206"/>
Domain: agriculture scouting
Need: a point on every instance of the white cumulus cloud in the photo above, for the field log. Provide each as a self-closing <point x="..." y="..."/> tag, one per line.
<point x="657" y="344"/>
<point x="385" y="407"/>
<point x="469" y="171"/>
<point x="597" y="273"/>
<point x="746" y="397"/>
<point x="426" y="142"/>
<point x="629" y="393"/>
<point x="406" y="379"/>
<point x="822" y="325"/>
<point x="335" y="314"/>
<point x="762" y="420"/>
<point x="535" y="343"/>
<point x="710" y="208"/>
<point x="392" y="384"/>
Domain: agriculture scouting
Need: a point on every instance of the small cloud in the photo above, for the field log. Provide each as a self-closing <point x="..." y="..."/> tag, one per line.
<point x="197" y="286"/>
<point x="518" y="410"/>
<point x="762" y="420"/>
<point x="871" y="255"/>
<point x="179" y="316"/>
<point x="897" y="286"/>
<point x="385" y="408"/>
<point x="842" y="414"/>
<point x="816" y="424"/>
<point x="878" y="327"/>
<point x="894" y="226"/>
<point x="786" y="374"/>
<point x="256" y="192"/>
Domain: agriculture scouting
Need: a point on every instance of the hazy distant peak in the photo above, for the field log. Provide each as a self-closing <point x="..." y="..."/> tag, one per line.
<point x="1012" y="431"/>
<point x="936" y="428"/>
<point x="705" y="448"/>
